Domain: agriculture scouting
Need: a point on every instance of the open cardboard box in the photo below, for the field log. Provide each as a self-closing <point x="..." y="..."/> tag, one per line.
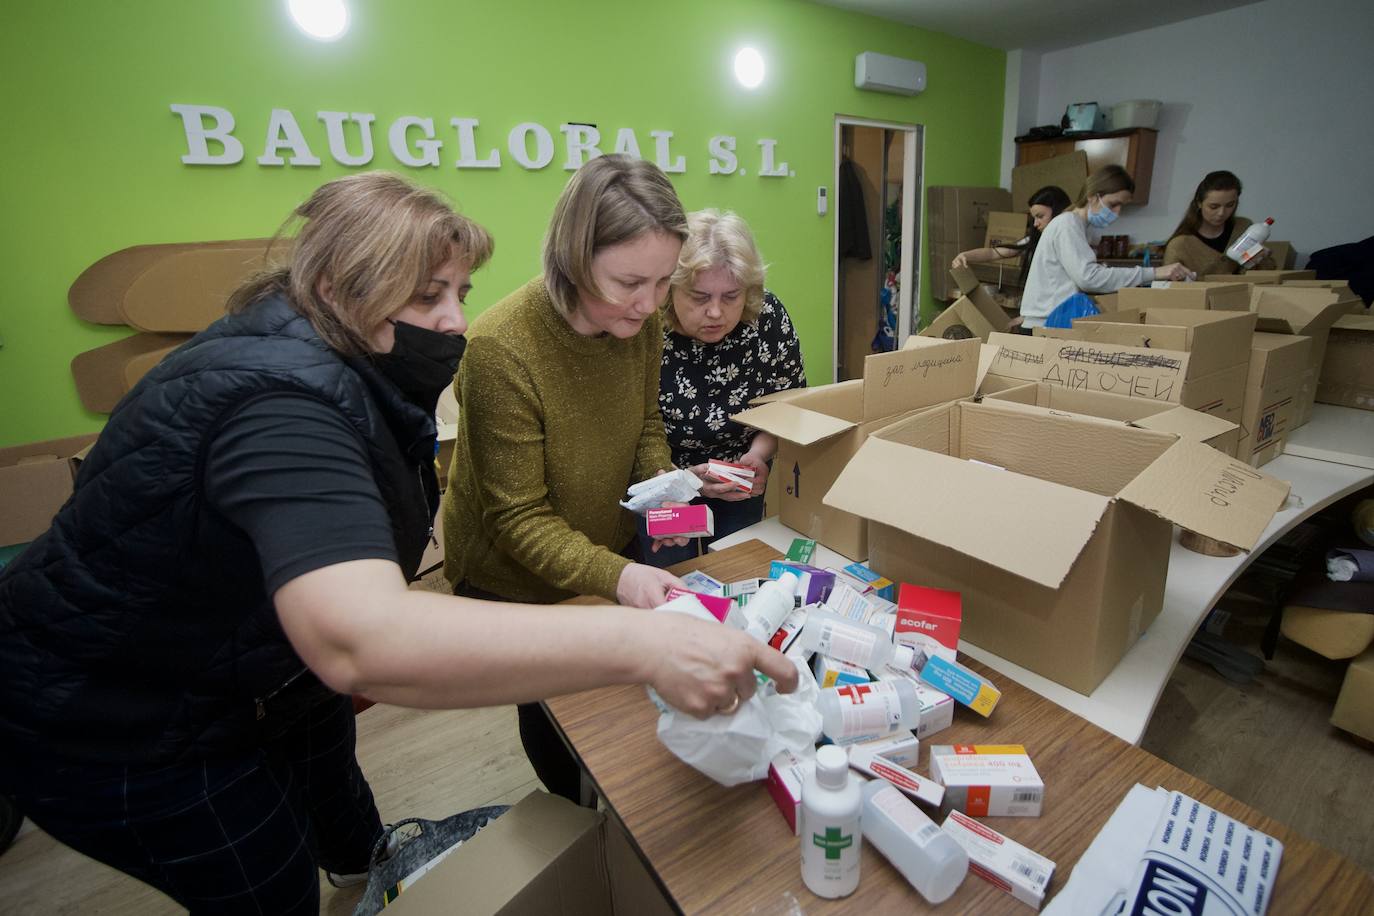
<point x="1217" y="344"/>
<point x="1147" y="374"/>
<point x="35" y="481"/>
<point x="819" y="429"/>
<point x="1308" y="311"/>
<point x="1347" y="372"/>
<point x="1189" y="424"/>
<point x="1226" y="296"/>
<point x="1263" y="276"/>
<point x="1272" y="392"/>
<point x="1060" y="548"/>
<point x="976" y="309"/>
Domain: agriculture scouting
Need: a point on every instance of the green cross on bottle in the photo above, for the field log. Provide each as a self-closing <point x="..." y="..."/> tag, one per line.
<point x="833" y="841"/>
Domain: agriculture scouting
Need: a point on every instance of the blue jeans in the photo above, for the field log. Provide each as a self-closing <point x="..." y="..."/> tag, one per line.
<point x="238" y="835"/>
<point x="730" y="516"/>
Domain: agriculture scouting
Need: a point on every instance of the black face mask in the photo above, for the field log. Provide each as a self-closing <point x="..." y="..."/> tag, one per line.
<point x="421" y="362"/>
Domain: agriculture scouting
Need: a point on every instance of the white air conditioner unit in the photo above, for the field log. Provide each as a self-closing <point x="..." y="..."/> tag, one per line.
<point x="882" y="73"/>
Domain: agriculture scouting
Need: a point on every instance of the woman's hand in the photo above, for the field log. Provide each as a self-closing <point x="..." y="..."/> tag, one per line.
<point x="706" y="669"/>
<point x="1174" y="272"/>
<point x="1016" y="322"/>
<point x="646" y="586"/>
<point x="715" y="489"/>
<point x="960" y="260"/>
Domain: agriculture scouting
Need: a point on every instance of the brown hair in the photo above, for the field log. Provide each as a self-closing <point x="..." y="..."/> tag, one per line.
<point x="1107" y="180"/>
<point x="717" y="239"/>
<point x="611" y="199"/>
<point x="1212" y="181"/>
<point x="374" y="239"/>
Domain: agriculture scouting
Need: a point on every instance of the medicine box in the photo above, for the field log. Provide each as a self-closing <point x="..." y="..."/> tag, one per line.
<point x="814" y="585"/>
<point x="928" y="619"/>
<point x="1000" y="861"/>
<point x="786" y="774"/>
<point x="719" y="607"/>
<point x="703" y="584"/>
<point x="902" y="748"/>
<point x="968" y="687"/>
<point x="883" y="587"/>
<point x="832" y="673"/>
<point x="988" y="780"/>
<point x="680" y="521"/>
<point x="741" y="475"/>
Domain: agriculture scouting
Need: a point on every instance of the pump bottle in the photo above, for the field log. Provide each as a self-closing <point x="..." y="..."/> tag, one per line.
<point x="930" y="859"/>
<point x="831" y="838"/>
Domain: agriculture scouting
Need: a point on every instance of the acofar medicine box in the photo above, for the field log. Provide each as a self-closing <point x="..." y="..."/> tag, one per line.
<point x="1056" y="530"/>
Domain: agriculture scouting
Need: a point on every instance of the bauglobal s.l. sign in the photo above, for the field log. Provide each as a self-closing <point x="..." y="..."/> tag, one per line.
<point x="414" y="142"/>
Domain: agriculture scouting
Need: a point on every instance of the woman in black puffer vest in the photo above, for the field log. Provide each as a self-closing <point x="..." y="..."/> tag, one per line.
<point x="177" y="651"/>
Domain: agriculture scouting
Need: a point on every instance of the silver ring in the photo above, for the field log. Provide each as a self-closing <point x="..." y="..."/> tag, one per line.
<point x="726" y="710"/>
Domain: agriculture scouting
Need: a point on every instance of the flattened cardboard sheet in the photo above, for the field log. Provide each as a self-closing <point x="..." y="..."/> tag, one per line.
<point x="96" y="294"/>
<point x="1031" y="528"/>
<point x="1204" y="491"/>
<point x="1069" y="172"/>
<point x="187" y="290"/>
<point x="105" y="374"/>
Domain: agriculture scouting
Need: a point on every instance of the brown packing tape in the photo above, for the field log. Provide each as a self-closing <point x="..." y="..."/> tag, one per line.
<point x="105" y="374"/>
<point x="95" y="295"/>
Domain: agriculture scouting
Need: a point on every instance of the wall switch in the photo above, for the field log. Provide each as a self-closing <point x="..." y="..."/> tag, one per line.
<point x="821" y="199"/>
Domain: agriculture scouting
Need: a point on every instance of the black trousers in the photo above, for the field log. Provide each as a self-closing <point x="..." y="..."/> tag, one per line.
<point x="553" y="763"/>
<point x="238" y="835"/>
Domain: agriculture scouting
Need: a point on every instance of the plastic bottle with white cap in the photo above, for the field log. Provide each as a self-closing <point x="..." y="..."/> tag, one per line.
<point x="853" y="642"/>
<point x="1248" y="248"/>
<point x="859" y="711"/>
<point x="831" y="837"/>
<point x="932" y="860"/>
<point x="770" y="605"/>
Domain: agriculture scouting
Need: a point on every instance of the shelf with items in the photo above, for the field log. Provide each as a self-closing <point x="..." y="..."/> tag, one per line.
<point x="1133" y="149"/>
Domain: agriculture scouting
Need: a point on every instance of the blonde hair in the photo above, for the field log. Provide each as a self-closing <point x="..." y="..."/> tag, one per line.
<point x="717" y="239"/>
<point x="375" y="239"/>
<point x="609" y="200"/>
<point x="1107" y="180"/>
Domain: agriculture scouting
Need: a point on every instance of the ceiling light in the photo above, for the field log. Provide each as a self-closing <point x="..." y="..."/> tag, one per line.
<point x="749" y="68"/>
<point x="325" y="20"/>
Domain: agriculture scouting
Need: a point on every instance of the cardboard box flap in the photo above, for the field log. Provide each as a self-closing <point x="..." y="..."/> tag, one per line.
<point x="1193" y="425"/>
<point x="791" y="422"/>
<point x="1355" y="323"/>
<point x="921" y="374"/>
<point x="964" y="278"/>
<point x="1209" y="493"/>
<point x="1069" y="172"/>
<point x="1034" y="529"/>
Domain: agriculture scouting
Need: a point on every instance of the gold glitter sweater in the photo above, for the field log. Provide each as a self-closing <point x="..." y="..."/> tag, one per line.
<point x="552" y="428"/>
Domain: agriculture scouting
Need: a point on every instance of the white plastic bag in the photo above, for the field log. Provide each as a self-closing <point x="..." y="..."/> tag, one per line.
<point x="680" y="486"/>
<point x="738" y="747"/>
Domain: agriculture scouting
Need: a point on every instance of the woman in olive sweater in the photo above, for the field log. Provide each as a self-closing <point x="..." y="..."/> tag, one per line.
<point x="1210" y="227"/>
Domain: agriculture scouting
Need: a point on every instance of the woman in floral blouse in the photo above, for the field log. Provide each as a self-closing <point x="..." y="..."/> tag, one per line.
<point x="726" y="341"/>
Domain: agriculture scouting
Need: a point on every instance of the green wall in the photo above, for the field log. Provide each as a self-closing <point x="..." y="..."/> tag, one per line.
<point x="92" y="152"/>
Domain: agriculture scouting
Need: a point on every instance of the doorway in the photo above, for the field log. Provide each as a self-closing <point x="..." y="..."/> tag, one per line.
<point x="877" y="190"/>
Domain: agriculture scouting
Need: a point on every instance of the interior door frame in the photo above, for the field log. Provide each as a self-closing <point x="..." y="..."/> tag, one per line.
<point x="909" y="271"/>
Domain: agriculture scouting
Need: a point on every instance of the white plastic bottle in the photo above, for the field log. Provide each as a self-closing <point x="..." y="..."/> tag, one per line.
<point x="770" y="606"/>
<point x="831" y="838"/>
<point x="932" y="860"/>
<point x="1250" y="245"/>
<point x="859" y="711"/>
<point x="850" y="641"/>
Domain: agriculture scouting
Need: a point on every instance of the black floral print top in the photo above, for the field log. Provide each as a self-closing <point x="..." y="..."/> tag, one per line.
<point x="702" y="384"/>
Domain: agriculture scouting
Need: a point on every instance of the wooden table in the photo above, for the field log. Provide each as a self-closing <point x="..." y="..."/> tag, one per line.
<point x="719" y="850"/>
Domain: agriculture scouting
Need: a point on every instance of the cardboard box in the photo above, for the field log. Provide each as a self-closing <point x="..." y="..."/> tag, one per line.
<point x="977" y="309"/>
<point x="1283" y="254"/>
<point x="1069" y="172"/>
<point x="1214" y="340"/>
<point x="1005" y="230"/>
<point x="543" y="856"/>
<point x="1354" y="711"/>
<point x="1272" y="389"/>
<point x="959" y="215"/>
<point x="35" y="481"/>
<point x="1224" y="296"/>
<point x="634" y="889"/>
<point x="942" y="254"/>
<point x="1347" y="373"/>
<point x="819" y="429"/>
<point x="1062" y="357"/>
<point x="1220" y="434"/>
<point x="1297" y="310"/>
<point x="1262" y="276"/>
<point x="1060" y="551"/>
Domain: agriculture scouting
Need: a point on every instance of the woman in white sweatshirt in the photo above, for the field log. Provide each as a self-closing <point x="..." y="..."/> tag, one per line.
<point x="1064" y="261"/>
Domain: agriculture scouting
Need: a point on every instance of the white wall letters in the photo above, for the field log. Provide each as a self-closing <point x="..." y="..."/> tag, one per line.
<point x="414" y="144"/>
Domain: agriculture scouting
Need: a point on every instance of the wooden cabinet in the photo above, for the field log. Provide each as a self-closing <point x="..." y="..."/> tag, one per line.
<point x="1133" y="149"/>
